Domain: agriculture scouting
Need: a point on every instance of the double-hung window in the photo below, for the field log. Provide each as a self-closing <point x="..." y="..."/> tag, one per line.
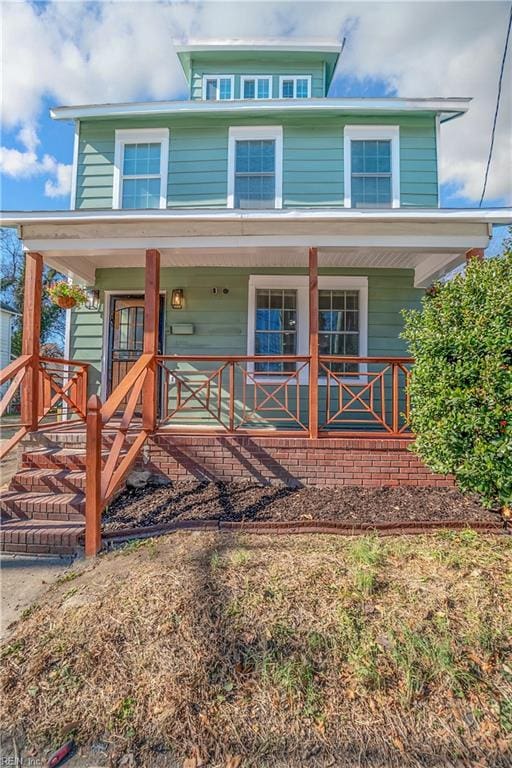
<point x="339" y="326"/>
<point x="278" y="322"/>
<point x="372" y="167"/>
<point x="297" y="87"/>
<point x="255" y="167"/>
<point x="256" y="87"/>
<point x="218" y="87"/>
<point x="140" y="168"/>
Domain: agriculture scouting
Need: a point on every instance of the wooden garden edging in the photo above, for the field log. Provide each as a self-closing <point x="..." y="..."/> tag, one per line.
<point x="293" y="527"/>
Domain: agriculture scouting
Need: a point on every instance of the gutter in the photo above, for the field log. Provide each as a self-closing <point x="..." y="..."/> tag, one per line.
<point x="474" y="215"/>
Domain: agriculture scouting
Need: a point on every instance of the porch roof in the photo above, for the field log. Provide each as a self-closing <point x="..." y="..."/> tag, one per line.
<point x="430" y="241"/>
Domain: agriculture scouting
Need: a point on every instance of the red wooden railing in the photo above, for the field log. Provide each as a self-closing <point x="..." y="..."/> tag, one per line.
<point x="366" y="395"/>
<point x="59" y="397"/>
<point x="117" y="415"/>
<point x="240" y="393"/>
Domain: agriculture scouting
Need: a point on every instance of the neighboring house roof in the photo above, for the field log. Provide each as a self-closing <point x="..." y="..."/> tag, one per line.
<point x="6" y="308"/>
<point x="447" y="108"/>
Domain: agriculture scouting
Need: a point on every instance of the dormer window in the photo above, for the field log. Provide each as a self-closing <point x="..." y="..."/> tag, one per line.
<point x="218" y="87"/>
<point x="255" y="87"/>
<point x="297" y="87"/>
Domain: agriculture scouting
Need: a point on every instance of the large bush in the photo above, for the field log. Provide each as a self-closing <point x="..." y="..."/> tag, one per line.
<point x="461" y="384"/>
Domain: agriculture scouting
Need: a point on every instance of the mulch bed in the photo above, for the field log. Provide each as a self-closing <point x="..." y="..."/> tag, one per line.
<point x="246" y="501"/>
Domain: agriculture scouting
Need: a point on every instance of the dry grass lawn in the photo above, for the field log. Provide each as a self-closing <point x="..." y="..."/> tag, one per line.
<point x="200" y="649"/>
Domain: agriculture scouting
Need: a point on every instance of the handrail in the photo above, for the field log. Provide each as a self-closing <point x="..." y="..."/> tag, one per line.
<point x="111" y="405"/>
<point x="51" y="387"/>
<point x="104" y="478"/>
<point x="12" y="369"/>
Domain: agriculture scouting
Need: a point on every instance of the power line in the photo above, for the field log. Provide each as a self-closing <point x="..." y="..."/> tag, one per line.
<point x="497" y="108"/>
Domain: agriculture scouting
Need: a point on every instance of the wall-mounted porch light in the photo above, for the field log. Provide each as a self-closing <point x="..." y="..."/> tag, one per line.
<point x="177" y="298"/>
<point x="93" y="299"/>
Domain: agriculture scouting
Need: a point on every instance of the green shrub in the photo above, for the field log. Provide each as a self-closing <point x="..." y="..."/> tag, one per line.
<point x="461" y="384"/>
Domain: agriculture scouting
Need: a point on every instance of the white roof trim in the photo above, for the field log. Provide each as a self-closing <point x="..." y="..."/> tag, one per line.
<point x="450" y="107"/>
<point x="329" y="46"/>
<point x="474" y="215"/>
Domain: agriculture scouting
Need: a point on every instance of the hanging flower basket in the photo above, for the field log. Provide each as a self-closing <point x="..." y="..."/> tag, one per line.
<point x="66" y="295"/>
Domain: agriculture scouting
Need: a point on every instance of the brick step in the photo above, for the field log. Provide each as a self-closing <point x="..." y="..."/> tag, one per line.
<point x="40" y="537"/>
<point x="43" y="506"/>
<point x="70" y="459"/>
<point x="46" y="480"/>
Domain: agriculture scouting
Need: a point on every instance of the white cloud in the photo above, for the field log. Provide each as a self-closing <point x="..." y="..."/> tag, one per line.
<point x="62" y="184"/>
<point x="25" y="164"/>
<point x="78" y="52"/>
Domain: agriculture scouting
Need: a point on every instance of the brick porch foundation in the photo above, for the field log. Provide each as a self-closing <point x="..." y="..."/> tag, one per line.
<point x="296" y="461"/>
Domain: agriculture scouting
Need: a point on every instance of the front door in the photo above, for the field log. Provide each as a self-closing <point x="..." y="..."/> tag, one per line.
<point x="126" y="335"/>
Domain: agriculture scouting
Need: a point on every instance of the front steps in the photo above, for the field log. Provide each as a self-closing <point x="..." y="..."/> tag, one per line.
<point x="43" y="510"/>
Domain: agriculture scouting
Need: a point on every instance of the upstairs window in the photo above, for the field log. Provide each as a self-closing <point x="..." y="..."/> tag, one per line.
<point x="218" y="87"/>
<point x="295" y="87"/>
<point x="255" y="167"/>
<point x="372" y="167"/>
<point x="255" y="87"/>
<point x="140" y="168"/>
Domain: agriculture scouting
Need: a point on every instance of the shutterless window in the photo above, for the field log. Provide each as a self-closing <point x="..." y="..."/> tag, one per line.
<point x="141" y="177"/>
<point x="371" y="173"/>
<point x="255" y="173"/>
<point x="339" y="325"/>
<point x="295" y="88"/>
<point x="275" y="327"/>
<point x="256" y="87"/>
<point x="218" y="88"/>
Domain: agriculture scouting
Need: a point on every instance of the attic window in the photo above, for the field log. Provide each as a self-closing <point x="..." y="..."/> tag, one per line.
<point x="218" y="87"/>
<point x="298" y="87"/>
<point x="255" y="87"/>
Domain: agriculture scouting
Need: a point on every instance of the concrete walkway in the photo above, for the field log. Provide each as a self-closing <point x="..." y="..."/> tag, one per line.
<point x="23" y="579"/>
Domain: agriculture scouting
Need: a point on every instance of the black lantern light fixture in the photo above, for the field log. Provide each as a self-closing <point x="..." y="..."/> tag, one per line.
<point x="93" y="299"/>
<point x="177" y="298"/>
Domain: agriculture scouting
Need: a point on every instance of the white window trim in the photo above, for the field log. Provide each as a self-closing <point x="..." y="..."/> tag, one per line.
<point x="217" y="78"/>
<point x="248" y="133"/>
<point x="300" y="283"/>
<point x="135" y="136"/>
<point x="376" y="132"/>
<point x="282" y="78"/>
<point x="244" y="78"/>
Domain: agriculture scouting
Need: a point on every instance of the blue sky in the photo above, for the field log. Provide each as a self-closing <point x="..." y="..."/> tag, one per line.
<point x="78" y="64"/>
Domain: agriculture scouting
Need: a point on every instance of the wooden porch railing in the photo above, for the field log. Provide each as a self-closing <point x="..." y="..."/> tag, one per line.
<point x="352" y="395"/>
<point x="117" y="414"/>
<point x="59" y="396"/>
<point x="366" y="395"/>
<point x="239" y="393"/>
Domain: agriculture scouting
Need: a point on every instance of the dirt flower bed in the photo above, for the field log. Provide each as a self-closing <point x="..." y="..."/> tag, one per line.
<point x="192" y="500"/>
<point x="227" y="651"/>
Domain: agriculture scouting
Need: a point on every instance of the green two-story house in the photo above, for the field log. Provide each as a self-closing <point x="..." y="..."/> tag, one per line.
<point x="248" y="252"/>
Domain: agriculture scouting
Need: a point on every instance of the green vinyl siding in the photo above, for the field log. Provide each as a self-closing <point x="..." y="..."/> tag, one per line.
<point x="220" y="322"/>
<point x="312" y="158"/>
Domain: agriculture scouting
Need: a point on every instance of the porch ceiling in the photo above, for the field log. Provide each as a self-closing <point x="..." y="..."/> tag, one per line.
<point x="423" y="261"/>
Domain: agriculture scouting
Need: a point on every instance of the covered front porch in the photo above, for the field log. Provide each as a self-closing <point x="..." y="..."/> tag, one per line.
<point x="277" y="324"/>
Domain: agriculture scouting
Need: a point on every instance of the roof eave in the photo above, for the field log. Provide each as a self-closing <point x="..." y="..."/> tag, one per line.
<point x="446" y="108"/>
